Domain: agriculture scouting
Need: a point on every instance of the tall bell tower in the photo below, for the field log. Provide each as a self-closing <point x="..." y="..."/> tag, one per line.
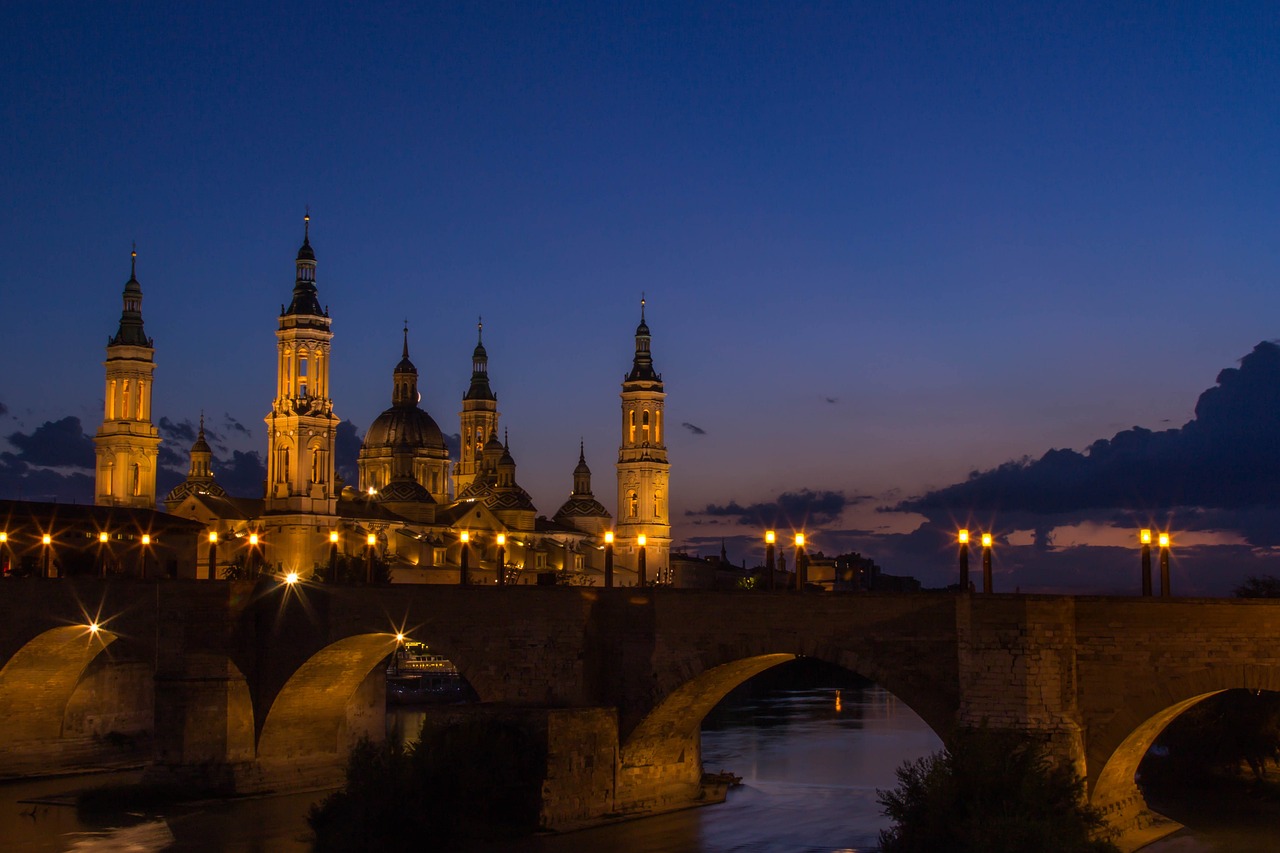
<point x="301" y="427"/>
<point x="478" y="418"/>
<point x="643" y="470"/>
<point x="127" y="443"/>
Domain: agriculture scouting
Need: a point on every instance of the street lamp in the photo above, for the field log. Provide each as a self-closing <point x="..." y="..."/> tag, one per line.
<point x="213" y="554"/>
<point x="254" y="557"/>
<point x="963" y="538"/>
<point x="608" y="558"/>
<point x="103" y="539"/>
<point x="640" y="562"/>
<point x="1164" y="565"/>
<point x="47" y="542"/>
<point x="769" y="538"/>
<point x="4" y="551"/>
<point x="802" y="564"/>
<point x="142" y="555"/>
<point x="1144" y="536"/>
<point x="502" y="559"/>
<point x="291" y="578"/>
<point x="333" y="557"/>
<point x="369" y="542"/>
<point x="986" y="563"/>
<point x="464" y="554"/>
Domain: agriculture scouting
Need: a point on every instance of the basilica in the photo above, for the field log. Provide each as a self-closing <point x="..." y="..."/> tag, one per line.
<point x="420" y="514"/>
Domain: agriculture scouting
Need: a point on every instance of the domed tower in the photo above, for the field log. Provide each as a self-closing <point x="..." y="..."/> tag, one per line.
<point x="510" y="503"/>
<point x="127" y="443"/>
<point x="582" y="510"/>
<point x="479" y="417"/>
<point x="404" y="495"/>
<point x="200" y="479"/>
<point x="301" y="427"/>
<point x="405" y="423"/>
<point x="643" y="469"/>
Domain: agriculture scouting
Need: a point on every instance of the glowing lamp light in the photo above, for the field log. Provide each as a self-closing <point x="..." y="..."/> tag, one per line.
<point x="464" y="537"/>
<point x="640" y="540"/>
<point x="399" y="638"/>
<point x="103" y="536"/>
<point x="371" y="540"/>
<point x="213" y="537"/>
<point x="333" y="537"/>
<point x="986" y="540"/>
<point x="963" y="537"/>
<point x="770" y="537"/>
<point x="1144" y="536"/>
<point x="608" y="537"/>
<point x="1164" y="540"/>
<point x="372" y="491"/>
<point x="253" y="539"/>
<point x="291" y="578"/>
<point x="146" y="539"/>
<point x="93" y="628"/>
<point x="799" y="540"/>
<point x="4" y="537"/>
<point x="502" y="539"/>
<point x="46" y="539"/>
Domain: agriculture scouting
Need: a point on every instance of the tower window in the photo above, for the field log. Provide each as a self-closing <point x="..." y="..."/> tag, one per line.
<point x="631" y="433"/>
<point x="657" y="504"/>
<point x="124" y="397"/>
<point x="136" y="488"/>
<point x="644" y="426"/>
<point x="633" y="504"/>
<point x="111" y="401"/>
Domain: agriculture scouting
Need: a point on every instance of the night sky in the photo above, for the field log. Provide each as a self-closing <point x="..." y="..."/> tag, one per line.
<point x="894" y="254"/>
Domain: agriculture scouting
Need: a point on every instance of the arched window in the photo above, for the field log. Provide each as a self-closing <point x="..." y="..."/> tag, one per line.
<point x="644" y="426"/>
<point x="111" y="401"/>
<point x="633" y="504"/>
<point x="302" y="376"/>
<point x="657" y="504"/>
<point x="109" y="478"/>
<point x="282" y="466"/>
<point x="142" y="393"/>
<point x="136" y="487"/>
<point x="631" y="434"/>
<point x="124" y="398"/>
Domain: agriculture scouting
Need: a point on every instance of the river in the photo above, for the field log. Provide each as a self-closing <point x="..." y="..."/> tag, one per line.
<point x="811" y="745"/>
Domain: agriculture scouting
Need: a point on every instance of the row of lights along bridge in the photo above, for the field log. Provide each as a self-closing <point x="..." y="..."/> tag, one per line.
<point x="770" y="539"/>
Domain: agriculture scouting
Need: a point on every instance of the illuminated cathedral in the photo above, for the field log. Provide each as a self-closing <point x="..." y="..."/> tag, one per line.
<point x="421" y="513"/>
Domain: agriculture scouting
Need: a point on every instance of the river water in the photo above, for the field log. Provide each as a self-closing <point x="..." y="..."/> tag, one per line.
<point x="811" y="747"/>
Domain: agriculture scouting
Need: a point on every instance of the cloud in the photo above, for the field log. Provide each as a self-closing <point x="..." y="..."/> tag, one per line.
<point x="347" y="452"/>
<point x="243" y="475"/>
<point x="832" y="400"/>
<point x="4" y="410"/>
<point x="795" y="509"/>
<point x="183" y="432"/>
<point x="55" y="444"/>
<point x="233" y="424"/>
<point x="453" y="442"/>
<point x="696" y="430"/>
<point x="1226" y="457"/>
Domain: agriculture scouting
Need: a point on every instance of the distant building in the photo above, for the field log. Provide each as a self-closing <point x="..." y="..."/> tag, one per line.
<point x="414" y="504"/>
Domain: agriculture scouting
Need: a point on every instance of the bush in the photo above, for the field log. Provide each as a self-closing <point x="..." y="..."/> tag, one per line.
<point x="990" y="792"/>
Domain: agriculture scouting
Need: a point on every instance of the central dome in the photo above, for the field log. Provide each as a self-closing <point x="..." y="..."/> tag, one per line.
<point x="407" y="424"/>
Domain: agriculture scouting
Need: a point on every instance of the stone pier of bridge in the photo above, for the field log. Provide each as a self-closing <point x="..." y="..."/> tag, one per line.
<point x="253" y="687"/>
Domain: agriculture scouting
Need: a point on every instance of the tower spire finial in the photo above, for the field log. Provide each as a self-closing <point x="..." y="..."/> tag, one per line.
<point x="133" y="261"/>
<point x="582" y="449"/>
<point x="479" y="329"/>
<point x="202" y="423"/>
<point x="642" y="306"/>
<point x="306" y="225"/>
<point x="406" y="338"/>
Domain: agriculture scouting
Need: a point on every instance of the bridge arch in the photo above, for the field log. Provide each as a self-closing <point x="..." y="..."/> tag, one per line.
<point x="37" y="683"/>
<point x="1118" y="747"/>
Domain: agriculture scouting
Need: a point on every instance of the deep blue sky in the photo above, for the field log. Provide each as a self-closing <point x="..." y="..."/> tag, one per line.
<point x="983" y="230"/>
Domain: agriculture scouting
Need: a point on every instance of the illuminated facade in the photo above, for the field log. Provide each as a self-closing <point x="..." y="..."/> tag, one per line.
<point x="416" y="508"/>
<point x="643" y="469"/>
<point x="127" y="443"/>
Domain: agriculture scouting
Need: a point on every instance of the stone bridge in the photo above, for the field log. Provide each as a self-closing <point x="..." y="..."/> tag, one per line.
<point x="265" y="687"/>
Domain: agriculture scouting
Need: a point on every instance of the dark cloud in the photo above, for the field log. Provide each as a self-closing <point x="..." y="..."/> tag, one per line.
<point x="454" y="444"/>
<point x="56" y="444"/>
<point x="20" y="481"/>
<point x="243" y="475"/>
<point x="183" y="432"/>
<point x="1227" y="457"/>
<point x="172" y="459"/>
<point x="795" y="509"/>
<point x="4" y="410"/>
<point x="235" y="426"/>
<point x="696" y="430"/>
<point x="347" y="452"/>
<point x="832" y="400"/>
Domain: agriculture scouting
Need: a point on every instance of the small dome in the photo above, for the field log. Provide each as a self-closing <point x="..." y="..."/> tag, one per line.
<point x="582" y="508"/>
<point x="201" y="446"/>
<point x="305" y="252"/>
<point x="403" y="490"/>
<point x="404" y="424"/>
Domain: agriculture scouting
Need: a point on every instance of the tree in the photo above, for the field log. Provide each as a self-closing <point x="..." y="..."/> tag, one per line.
<point x="991" y="791"/>
<point x="1259" y="586"/>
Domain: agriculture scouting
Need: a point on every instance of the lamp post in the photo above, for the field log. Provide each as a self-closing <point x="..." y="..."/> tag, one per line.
<point x="769" y="538"/>
<point x="986" y="563"/>
<point x="802" y="564"/>
<point x="369" y="542"/>
<point x="1144" y="536"/>
<point x="640" y="564"/>
<point x="4" y="551"/>
<point x="1164" y="566"/>
<point x="464" y="553"/>
<point x="608" y="559"/>
<point x="213" y="555"/>
<point x="254" y="557"/>
<point x="46" y="542"/>
<point x="502" y="559"/>
<point x="103" y="538"/>
<point x="142" y="556"/>
<point x="333" y="557"/>
<point x="963" y="538"/>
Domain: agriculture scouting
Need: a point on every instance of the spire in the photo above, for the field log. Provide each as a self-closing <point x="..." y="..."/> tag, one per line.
<point x="479" y="389"/>
<point x="405" y="380"/>
<point x="642" y="366"/>
<point x="582" y="474"/>
<point x="130" y="332"/>
<point x="304" y="285"/>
